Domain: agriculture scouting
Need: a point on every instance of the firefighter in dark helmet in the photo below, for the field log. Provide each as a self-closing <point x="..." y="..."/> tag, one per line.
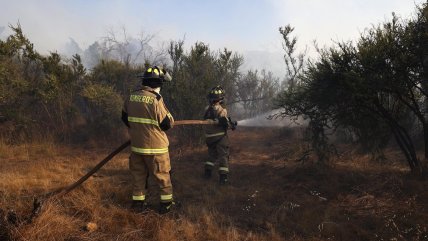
<point x="216" y="135"/>
<point x="147" y="117"/>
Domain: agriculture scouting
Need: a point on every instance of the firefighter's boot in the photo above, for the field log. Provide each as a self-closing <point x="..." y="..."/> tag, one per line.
<point x="223" y="179"/>
<point x="166" y="207"/>
<point x="139" y="206"/>
<point x="207" y="173"/>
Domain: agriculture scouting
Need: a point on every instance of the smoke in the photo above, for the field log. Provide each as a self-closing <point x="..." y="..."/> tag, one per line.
<point x="71" y="48"/>
<point x="264" y="120"/>
<point x="119" y="45"/>
<point x="1" y="30"/>
<point x="271" y="61"/>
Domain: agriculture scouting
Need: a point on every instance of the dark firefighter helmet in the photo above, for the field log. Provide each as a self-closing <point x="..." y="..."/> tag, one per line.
<point x="155" y="77"/>
<point x="216" y="94"/>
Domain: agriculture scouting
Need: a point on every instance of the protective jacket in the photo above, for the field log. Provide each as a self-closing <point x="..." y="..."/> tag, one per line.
<point x="147" y="117"/>
<point x="214" y="133"/>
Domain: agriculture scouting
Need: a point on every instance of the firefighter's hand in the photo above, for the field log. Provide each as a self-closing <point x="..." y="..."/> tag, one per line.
<point x="232" y="124"/>
<point x="223" y="122"/>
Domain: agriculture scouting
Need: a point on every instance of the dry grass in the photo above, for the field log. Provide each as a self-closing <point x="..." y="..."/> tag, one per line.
<point x="271" y="196"/>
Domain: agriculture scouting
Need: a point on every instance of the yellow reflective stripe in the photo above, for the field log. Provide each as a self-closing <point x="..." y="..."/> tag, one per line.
<point x="167" y="197"/>
<point x="149" y="70"/>
<point x="169" y="115"/>
<point x="223" y="169"/>
<point x="143" y="120"/>
<point x="156" y="71"/>
<point x="215" y="134"/>
<point x="139" y="198"/>
<point x="209" y="163"/>
<point x="149" y="151"/>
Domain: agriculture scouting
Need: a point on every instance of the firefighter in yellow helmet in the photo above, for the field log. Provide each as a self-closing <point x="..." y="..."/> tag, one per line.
<point x="216" y="135"/>
<point x="147" y="117"/>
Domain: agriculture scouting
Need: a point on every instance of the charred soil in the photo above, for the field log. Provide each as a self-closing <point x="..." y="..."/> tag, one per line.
<point x="273" y="194"/>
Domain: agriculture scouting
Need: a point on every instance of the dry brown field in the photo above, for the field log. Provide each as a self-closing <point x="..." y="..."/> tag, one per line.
<point x="273" y="195"/>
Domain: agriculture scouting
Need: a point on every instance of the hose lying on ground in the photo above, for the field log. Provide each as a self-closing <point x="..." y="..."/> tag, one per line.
<point x="39" y="201"/>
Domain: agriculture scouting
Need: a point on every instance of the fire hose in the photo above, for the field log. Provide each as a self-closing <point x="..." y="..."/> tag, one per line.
<point x="38" y="202"/>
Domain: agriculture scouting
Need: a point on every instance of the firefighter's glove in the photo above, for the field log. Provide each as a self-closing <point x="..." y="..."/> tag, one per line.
<point x="223" y="122"/>
<point x="232" y="124"/>
<point x="167" y="122"/>
<point x="125" y="118"/>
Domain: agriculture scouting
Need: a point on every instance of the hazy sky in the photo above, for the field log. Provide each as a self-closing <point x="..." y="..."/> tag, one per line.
<point x="240" y="25"/>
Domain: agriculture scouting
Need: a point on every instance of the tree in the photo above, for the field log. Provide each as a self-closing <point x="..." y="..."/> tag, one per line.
<point x="37" y="91"/>
<point x="295" y="63"/>
<point x="374" y="88"/>
<point x="255" y="92"/>
<point x="129" y="50"/>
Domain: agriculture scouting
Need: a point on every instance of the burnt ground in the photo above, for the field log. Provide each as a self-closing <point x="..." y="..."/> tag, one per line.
<point x="351" y="198"/>
<point x="274" y="194"/>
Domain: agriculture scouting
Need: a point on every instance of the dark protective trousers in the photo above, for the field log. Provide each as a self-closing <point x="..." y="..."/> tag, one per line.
<point x="218" y="152"/>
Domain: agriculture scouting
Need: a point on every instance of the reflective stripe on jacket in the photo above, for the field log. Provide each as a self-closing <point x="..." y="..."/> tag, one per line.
<point x="146" y="110"/>
<point x="214" y="132"/>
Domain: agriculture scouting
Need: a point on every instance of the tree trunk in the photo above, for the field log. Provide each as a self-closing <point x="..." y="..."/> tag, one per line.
<point x="425" y="124"/>
<point x="407" y="148"/>
<point x="425" y="130"/>
<point x="404" y="141"/>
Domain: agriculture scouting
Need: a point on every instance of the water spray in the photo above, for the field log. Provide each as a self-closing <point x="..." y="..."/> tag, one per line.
<point x="269" y="119"/>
